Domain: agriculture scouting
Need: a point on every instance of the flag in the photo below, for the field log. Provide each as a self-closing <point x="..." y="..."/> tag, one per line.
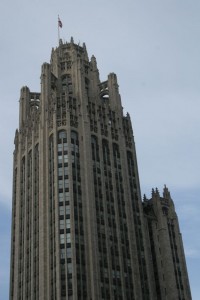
<point x="59" y="23"/>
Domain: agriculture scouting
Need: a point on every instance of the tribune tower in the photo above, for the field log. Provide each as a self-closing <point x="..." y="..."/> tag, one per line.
<point x="77" y="225"/>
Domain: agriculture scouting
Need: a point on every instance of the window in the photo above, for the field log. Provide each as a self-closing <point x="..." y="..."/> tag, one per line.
<point x="66" y="182"/>
<point x="62" y="134"/>
<point x="66" y="172"/>
<point x="62" y="253"/>
<point x="59" y="159"/>
<point x="61" y="208"/>
<point x="68" y="225"/>
<point x="67" y="209"/>
<point x="61" y="224"/>
<point x="60" y="184"/>
<point x="60" y="197"/>
<point x="68" y="237"/>
<point x="65" y="158"/>
<point x="74" y="137"/>
<point x="62" y="237"/>
<point x="59" y="147"/>
<point x="69" y="268"/>
<point x="67" y="196"/>
<point x="60" y="172"/>
<point x="69" y="252"/>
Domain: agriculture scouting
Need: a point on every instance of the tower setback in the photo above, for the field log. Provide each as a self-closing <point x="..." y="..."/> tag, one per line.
<point x="79" y="227"/>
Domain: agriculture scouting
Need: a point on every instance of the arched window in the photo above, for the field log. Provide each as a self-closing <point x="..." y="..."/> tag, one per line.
<point x="62" y="134"/>
<point x="74" y="137"/>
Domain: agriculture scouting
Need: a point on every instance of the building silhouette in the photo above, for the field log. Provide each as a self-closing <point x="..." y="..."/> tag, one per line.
<point x="79" y="227"/>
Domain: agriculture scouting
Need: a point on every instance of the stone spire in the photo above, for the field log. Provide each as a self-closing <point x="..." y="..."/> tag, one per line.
<point x="166" y="193"/>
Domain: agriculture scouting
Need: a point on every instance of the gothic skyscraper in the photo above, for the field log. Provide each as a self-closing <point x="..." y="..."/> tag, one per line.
<point x="79" y="227"/>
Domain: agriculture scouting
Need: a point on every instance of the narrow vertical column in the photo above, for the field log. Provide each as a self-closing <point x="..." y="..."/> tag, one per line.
<point x="43" y="185"/>
<point x="114" y="97"/>
<point x="15" y="222"/>
<point x="24" y="106"/>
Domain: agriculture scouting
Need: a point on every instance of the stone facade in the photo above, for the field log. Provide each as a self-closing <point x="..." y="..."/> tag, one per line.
<point x="168" y="267"/>
<point x="78" y="227"/>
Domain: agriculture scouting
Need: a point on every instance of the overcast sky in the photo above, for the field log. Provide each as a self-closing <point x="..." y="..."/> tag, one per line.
<point x="154" y="48"/>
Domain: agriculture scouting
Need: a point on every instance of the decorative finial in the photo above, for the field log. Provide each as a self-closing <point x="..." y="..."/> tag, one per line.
<point x="166" y="193"/>
<point x="157" y="192"/>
